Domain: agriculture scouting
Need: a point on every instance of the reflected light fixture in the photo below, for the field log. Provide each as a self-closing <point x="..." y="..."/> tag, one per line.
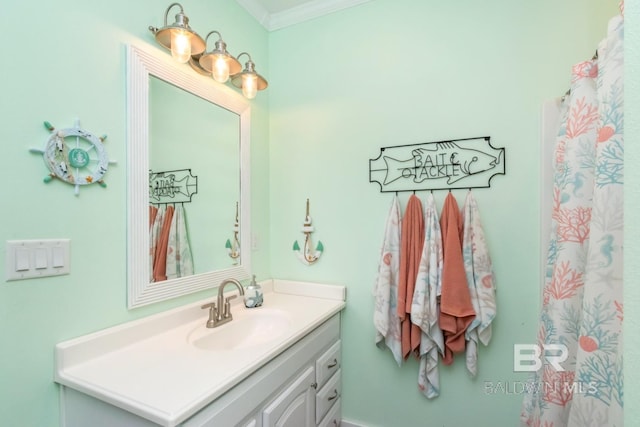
<point x="219" y="63"/>
<point x="248" y="80"/>
<point x="179" y="37"/>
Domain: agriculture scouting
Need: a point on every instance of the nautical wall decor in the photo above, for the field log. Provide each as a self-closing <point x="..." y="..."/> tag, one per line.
<point x="75" y="156"/>
<point x="308" y="255"/>
<point x="440" y="165"/>
<point x="233" y="248"/>
<point x="176" y="186"/>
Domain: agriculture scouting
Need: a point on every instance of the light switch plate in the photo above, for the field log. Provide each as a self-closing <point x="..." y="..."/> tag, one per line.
<point x="26" y="259"/>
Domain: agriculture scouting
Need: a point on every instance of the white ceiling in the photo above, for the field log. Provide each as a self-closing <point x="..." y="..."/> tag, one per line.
<point x="275" y="14"/>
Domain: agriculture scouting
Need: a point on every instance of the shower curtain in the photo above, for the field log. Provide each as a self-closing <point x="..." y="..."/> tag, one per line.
<point x="582" y="307"/>
<point x="169" y="248"/>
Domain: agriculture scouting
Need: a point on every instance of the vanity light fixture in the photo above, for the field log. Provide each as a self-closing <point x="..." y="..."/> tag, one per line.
<point x="248" y="80"/>
<point x="187" y="46"/>
<point x="179" y="37"/>
<point x="219" y="63"/>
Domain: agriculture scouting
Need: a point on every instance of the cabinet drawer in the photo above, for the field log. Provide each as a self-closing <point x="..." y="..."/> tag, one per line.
<point x="334" y="416"/>
<point x="328" y="364"/>
<point x="328" y="395"/>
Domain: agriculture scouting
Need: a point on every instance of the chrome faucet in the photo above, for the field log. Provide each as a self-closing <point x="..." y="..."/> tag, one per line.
<point x="221" y="313"/>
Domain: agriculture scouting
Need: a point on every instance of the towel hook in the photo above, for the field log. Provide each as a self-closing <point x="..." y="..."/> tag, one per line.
<point x="308" y="256"/>
<point x="233" y="248"/>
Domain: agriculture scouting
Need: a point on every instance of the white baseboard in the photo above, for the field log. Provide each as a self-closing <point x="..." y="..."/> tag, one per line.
<point x="345" y="423"/>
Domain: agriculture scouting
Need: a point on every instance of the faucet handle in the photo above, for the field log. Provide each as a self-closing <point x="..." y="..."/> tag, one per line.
<point x="213" y="312"/>
<point x="227" y="306"/>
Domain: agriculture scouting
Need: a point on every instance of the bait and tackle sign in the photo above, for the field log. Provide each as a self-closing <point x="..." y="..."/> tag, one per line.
<point x="176" y="186"/>
<point x="460" y="163"/>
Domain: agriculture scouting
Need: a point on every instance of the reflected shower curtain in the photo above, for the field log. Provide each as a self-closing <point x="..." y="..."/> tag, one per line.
<point x="582" y="308"/>
<point x="169" y="249"/>
<point x="179" y="259"/>
<point x="156" y="220"/>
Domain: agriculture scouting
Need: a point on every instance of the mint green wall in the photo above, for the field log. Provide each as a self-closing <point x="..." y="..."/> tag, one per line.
<point x="393" y="72"/>
<point x="68" y="62"/>
<point x="479" y="68"/>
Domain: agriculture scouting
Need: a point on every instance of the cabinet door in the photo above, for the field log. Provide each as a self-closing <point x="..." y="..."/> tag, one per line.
<point x="295" y="406"/>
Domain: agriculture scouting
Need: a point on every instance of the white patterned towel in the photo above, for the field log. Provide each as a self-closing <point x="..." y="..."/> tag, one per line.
<point x="385" y="318"/>
<point x="425" y="309"/>
<point x="477" y="264"/>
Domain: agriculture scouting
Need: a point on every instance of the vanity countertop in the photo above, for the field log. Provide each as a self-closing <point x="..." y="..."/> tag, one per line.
<point x="151" y="368"/>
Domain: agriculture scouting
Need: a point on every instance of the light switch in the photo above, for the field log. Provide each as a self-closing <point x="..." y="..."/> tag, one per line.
<point x="22" y="259"/>
<point x="57" y="257"/>
<point x="26" y="259"/>
<point x="41" y="258"/>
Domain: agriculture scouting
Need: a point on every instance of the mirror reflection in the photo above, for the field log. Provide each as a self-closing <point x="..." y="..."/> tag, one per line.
<point x="184" y="128"/>
<point x="194" y="161"/>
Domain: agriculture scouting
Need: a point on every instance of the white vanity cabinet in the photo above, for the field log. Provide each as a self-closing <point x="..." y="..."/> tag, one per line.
<point x="160" y="371"/>
<point x="295" y="389"/>
<point x="288" y="391"/>
<point x="310" y="396"/>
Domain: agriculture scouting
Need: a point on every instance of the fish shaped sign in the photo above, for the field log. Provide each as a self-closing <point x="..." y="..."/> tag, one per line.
<point x="176" y="186"/>
<point x="459" y="163"/>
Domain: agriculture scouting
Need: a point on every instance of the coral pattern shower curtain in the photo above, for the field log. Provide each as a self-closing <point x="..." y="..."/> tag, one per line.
<point x="169" y="249"/>
<point x="582" y="308"/>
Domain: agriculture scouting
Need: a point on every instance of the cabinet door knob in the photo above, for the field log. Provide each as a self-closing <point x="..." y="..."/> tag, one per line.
<point x="333" y="364"/>
<point x="314" y="385"/>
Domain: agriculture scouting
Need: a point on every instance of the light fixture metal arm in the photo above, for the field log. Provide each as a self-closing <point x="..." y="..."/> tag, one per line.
<point x="244" y="53"/>
<point x="166" y="13"/>
<point x="213" y="32"/>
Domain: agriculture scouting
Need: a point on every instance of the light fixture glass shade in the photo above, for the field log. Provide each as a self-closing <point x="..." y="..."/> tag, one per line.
<point x="179" y="37"/>
<point x="248" y="80"/>
<point x="220" y="72"/>
<point x="180" y="45"/>
<point x="219" y="62"/>
<point x="249" y="85"/>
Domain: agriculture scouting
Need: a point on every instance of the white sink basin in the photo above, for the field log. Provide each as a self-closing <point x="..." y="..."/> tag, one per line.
<point x="250" y="328"/>
<point x="125" y="364"/>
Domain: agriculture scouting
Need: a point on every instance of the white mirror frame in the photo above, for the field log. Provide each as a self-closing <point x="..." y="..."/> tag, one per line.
<point x="140" y="65"/>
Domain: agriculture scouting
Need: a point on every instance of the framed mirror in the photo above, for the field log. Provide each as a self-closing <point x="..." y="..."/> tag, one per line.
<point x="213" y="141"/>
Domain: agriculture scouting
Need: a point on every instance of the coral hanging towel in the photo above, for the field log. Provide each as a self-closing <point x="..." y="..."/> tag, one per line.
<point x="456" y="308"/>
<point x="411" y="242"/>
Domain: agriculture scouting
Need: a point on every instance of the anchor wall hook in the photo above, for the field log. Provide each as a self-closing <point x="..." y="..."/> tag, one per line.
<point x="308" y="255"/>
<point x="233" y="248"/>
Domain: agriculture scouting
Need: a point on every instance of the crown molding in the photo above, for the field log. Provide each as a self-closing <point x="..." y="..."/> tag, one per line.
<point x="255" y="9"/>
<point x="297" y="14"/>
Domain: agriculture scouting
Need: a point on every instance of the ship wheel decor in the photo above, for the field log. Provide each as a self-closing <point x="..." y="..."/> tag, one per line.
<point x="75" y="156"/>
